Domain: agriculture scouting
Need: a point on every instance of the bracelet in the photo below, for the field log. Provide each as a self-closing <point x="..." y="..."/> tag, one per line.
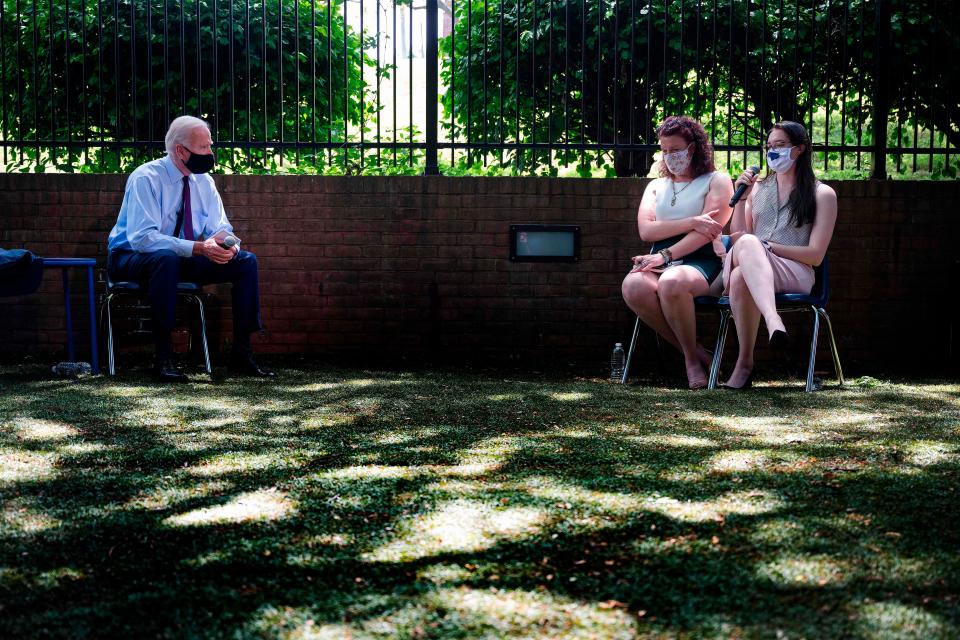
<point x="667" y="255"/>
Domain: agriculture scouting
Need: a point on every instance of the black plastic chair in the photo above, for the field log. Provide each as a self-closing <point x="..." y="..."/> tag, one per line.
<point x="816" y="302"/>
<point x="187" y="290"/>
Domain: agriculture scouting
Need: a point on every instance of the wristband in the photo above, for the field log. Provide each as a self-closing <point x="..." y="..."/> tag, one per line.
<point x="667" y="256"/>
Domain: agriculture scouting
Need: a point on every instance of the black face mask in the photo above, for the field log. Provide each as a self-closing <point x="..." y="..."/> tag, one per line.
<point x="198" y="163"/>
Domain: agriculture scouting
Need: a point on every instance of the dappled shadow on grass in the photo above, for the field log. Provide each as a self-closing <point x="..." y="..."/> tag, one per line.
<point x="419" y="505"/>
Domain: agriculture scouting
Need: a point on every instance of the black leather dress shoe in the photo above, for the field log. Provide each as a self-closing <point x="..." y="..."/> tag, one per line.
<point x="166" y="371"/>
<point x="245" y="365"/>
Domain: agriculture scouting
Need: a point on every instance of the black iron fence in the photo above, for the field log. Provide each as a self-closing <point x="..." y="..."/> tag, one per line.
<point x="548" y="87"/>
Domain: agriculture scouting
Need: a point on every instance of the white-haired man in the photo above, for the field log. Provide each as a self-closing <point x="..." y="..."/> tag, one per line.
<point x="171" y="229"/>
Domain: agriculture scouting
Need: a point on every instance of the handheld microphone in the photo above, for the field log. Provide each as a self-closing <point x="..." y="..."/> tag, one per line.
<point x="739" y="192"/>
<point x="229" y="241"/>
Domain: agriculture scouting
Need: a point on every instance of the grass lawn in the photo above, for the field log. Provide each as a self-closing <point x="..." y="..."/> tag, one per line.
<point x="341" y="503"/>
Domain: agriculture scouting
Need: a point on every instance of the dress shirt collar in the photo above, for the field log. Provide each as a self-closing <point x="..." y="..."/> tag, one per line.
<point x="173" y="174"/>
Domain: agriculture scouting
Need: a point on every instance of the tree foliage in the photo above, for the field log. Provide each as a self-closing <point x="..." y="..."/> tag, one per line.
<point x="121" y="71"/>
<point x="605" y="71"/>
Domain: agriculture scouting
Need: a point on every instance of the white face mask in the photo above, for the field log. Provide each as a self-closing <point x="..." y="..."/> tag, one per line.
<point x="678" y="161"/>
<point x="779" y="159"/>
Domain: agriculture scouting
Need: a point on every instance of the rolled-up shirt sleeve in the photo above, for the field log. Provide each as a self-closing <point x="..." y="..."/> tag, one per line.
<point x="144" y="218"/>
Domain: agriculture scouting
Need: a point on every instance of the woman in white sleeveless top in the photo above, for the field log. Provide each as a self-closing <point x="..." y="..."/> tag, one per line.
<point x="780" y="231"/>
<point x="681" y="212"/>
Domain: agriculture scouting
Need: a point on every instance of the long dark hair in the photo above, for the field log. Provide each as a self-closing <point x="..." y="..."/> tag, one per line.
<point x="701" y="160"/>
<point x="803" y="200"/>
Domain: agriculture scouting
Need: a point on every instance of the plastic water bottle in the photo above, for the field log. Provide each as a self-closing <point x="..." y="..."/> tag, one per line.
<point x="618" y="360"/>
<point x="71" y="369"/>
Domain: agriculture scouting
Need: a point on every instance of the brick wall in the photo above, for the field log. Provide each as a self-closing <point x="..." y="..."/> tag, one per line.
<point x="418" y="267"/>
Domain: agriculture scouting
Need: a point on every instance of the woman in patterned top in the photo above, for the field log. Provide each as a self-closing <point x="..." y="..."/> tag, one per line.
<point x="780" y="231"/>
<point x="680" y="212"/>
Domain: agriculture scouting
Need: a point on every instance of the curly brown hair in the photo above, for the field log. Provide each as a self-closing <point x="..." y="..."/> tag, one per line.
<point x="690" y="130"/>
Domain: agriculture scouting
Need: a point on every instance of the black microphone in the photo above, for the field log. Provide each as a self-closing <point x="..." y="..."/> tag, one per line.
<point x="739" y="192"/>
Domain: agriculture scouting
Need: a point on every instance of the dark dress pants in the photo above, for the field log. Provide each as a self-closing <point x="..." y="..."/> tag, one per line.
<point x="160" y="271"/>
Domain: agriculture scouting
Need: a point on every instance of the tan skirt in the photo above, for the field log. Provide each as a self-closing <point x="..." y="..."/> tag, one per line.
<point x="789" y="276"/>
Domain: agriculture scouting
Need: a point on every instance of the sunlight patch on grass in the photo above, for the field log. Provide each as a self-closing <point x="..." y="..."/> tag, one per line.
<point x="295" y="623"/>
<point x="467" y="470"/>
<point x="123" y="391"/>
<point x="341" y="539"/>
<point x="505" y="397"/>
<point x="739" y="460"/>
<point x="216" y="423"/>
<point x="254" y="506"/>
<point x="307" y="388"/>
<point x="674" y="440"/>
<point x="557" y="432"/>
<point x="217" y="556"/>
<point x="567" y="496"/>
<point x="738" y="502"/>
<point x="883" y="620"/>
<point x="805" y="570"/>
<point x="779" y="531"/>
<point x="152" y="417"/>
<point x="240" y="462"/>
<point x="763" y="429"/>
<point x="444" y="573"/>
<point x="39" y="429"/>
<point x="462" y="611"/>
<point x="54" y="578"/>
<point x="370" y="472"/>
<point x="26" y="466"/>
<point x="394" y="438"/>
<point x="570" y="396"/>
<point x="162" y="498"/>
<point x="494" y="449"/>
<point x="923" y="453"/>
<point x="17" y="518"/>
<point x="84" y="448"/>
<point x="316" y="422"/>
<point x="456" y="527"/>
<point x="848" y="418"/>
<point x="11" y="578"/>
<point x="213" y="404"/>
<point x="515" y="613"/>
<point x="363" y="382"/>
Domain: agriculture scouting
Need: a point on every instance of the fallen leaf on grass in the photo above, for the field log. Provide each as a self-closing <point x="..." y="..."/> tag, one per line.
<point x="613" y="604"/>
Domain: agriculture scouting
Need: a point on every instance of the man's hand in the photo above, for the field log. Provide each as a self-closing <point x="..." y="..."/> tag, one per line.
<point x="213" y="251"/>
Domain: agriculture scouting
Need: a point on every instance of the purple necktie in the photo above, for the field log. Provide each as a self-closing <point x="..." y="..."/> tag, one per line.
<point x="187" y="212"/>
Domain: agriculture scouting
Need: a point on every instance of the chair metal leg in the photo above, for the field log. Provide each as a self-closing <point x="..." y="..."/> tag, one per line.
<point x="633" y="344"/>
<point x="833" y="348"/>
<point x="203" y="335"/>
<point x="718" y="349"/>
<point x="813" y="348"/>
<point x="110" y="361"/>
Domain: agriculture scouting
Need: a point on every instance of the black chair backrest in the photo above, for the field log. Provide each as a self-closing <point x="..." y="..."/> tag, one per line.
<point x="821" y="283"/>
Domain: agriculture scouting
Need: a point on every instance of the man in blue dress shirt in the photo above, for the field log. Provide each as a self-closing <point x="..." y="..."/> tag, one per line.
<point x="171" y="228"/>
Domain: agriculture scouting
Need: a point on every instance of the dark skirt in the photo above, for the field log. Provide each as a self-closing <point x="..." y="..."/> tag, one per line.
<point x="703" y="259"/>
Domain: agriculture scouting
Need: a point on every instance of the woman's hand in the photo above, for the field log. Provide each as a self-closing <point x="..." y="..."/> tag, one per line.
<point x="646" y="263"/>
<point x="704" y="224"/>
<point x="746" y="178"/>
